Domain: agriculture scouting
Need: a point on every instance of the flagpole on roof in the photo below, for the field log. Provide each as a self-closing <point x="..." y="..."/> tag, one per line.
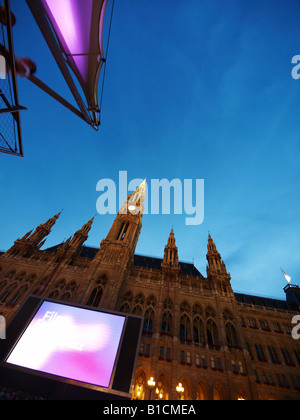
<point x="287" y="277"/>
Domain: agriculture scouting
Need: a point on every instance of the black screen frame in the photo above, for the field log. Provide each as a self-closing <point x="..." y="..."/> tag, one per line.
<point x="55" y="387"/>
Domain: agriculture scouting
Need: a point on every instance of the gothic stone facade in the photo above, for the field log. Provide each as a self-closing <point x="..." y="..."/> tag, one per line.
<point x="218" y="344"/>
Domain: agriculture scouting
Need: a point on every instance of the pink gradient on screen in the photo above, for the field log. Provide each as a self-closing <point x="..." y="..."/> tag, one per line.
<point x="70" y="342"/>
<point x="71" y="20"/>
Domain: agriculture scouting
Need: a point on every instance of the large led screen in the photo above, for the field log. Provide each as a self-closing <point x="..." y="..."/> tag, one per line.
<point x="70" y="342"/>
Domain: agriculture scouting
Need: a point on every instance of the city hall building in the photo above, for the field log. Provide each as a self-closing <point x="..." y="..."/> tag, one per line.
<point x="200" y="340"/>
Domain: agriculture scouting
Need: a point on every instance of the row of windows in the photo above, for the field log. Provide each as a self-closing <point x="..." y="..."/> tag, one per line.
<point x="165" y="353"/>
<point x="261" y="352"/>
<point x="197" y="326"/>
<point x="264" y="325"/>
<point x="199" y="333"/>
<point x="14" y="286"/>
<point x="215" y="363"/>
<point x="278" y="379"/>
<point x="138" y="305"/>
<point x="11" y="293"/>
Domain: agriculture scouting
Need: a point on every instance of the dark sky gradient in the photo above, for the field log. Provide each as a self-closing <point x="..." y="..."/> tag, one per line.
<point x="194" y="90"/>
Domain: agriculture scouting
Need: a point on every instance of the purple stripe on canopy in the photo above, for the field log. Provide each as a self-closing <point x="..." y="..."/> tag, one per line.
<point x="78" y="25"/>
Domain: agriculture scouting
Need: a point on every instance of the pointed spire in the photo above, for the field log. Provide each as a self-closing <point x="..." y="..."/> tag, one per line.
<point x="42" y="230"/>
<point x="73" y="245"/>
<point x="215" y="263"/>
<point x="54" y="219"/>
<point x="27" y="235"/>
<point x="211" y="247"/>
<point x="135" y="201"/>
<point x="34" y="239"/>
<point x="171" y="240"/>
<point x="49" y="224"/>
<point x="171" y="252"/>
<point x="87" y="227"/>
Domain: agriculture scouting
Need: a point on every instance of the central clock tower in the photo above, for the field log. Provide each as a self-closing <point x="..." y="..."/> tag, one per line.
<point x="116" y="253"/>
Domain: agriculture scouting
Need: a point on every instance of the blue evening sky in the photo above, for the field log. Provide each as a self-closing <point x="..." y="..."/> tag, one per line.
<point x="195" y="89"/>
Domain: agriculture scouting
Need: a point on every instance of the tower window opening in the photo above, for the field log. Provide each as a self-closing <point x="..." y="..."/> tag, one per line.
<point x="123" y="231"/>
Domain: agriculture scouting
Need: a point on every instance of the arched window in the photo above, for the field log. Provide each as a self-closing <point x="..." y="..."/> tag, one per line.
<point x="3" y="285"/>
<point x="151" y="301"/>
<point x="58" y="289"/>
<point x="202" y="392"/>
<point x="54" y="294"/>
<point x="166" y="325"/>
<point x="231" y="335"/>
<point x="140" y="387"/>
<point x="67" y="291"/>
<point x="185" y="308"/>
<point x="137" y="310"/>
<point x="72" y="286"/>
<point x="14" y="299"/>
<point x="162" y="388"/>
<point x="40" y="287"/>
<point x="61" y="284"/>
<point x="197" y="310"/>
<point x="212" y="332"/>
<point x="139" y="300"/>
<point x="210" y="313"/>
<point x="126" y="303"/>
<point x="185" y="328"/>
<point x="66" y="297"/>
<point x="9" y="290"/>
<point x="96" y="295"/>
<point x="185" y="323"/>
<point x="149" y="314"/>
<point x="218" y="393"/>
<point x="198" y="331"/>
<point x="148" y="320"/>
<point x="125" y="308"/>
